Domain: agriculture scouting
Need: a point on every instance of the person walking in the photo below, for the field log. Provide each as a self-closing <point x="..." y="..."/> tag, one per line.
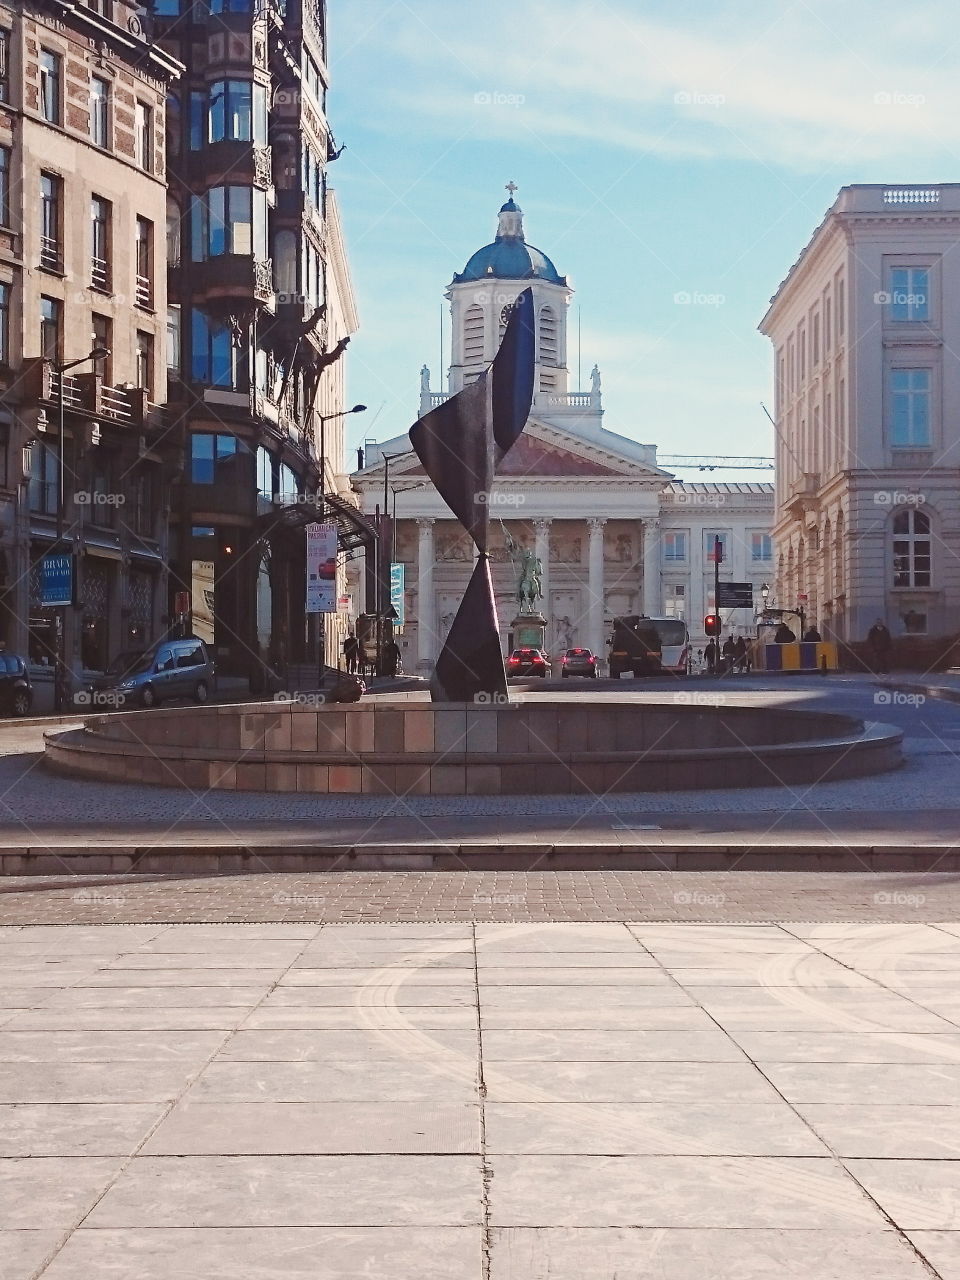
<point x="350" y="647"/>
<point x="728" y="654"/>
<point x="880" y="643"/>
<point x="711" y="655"/>
<point x="740" y="657"/>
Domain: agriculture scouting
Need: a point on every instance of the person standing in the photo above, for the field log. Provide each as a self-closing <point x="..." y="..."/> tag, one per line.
<point x="740" y="654"/>
<point x="350" y="647"/>
<point x="729" y="653"/>
<point x="880" y="643"/>
<point x="711" y="656"/>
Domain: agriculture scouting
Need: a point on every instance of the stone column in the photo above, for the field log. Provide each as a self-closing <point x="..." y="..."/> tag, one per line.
<point x="652" y="595"/>
<point x="542" y="529"/>
<point x="426" y="622"/>
<point x="595" y="611"/>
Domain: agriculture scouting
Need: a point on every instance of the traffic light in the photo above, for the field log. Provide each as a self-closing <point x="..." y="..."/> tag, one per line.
<point x="711" y="624"/>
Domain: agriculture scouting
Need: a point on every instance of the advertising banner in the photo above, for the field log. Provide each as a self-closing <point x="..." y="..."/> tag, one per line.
<point x="56" y="580"/>
<point x="396" y="592"/>
<point x="321" y="568"/>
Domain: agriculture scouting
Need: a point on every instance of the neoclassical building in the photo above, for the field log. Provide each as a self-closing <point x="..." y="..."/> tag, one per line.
<point x="864" y="330"/>
<point x="615" y="533"/>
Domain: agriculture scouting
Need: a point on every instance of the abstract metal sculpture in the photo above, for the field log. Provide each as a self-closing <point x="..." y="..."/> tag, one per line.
<point x="460" y="444"/>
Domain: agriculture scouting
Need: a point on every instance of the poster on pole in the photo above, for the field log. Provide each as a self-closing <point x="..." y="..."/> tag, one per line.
<point x="321" y="568"/>
<point x="397" y="592"/>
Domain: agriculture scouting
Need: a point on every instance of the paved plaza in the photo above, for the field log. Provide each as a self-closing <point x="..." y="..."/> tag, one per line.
<point x="482" y="1101"/>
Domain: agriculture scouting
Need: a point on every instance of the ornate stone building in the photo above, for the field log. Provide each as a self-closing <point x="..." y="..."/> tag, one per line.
<point x="864" y="328"/>
<point x="614" y="532"/>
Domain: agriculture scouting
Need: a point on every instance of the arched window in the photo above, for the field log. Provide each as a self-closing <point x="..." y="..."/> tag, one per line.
<point x="473" y="335"/>
<point x="911" y="548"/>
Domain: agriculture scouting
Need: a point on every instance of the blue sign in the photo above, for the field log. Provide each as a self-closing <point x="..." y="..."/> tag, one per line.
<point x="56" y="580"/>
<point x="396" y="592"/>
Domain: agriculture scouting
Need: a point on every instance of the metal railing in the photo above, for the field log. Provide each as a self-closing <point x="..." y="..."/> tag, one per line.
<point x="115" y="403"/>
<point x="50" y="253"/>
<point x="144" y="291"/>
<point x="100" y="273"/>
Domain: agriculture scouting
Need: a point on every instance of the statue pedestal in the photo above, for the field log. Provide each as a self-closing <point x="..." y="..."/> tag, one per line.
<point x="529" y="629"/>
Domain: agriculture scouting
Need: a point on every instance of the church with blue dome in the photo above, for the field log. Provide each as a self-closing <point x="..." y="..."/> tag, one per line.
<point x="509" y="257"/>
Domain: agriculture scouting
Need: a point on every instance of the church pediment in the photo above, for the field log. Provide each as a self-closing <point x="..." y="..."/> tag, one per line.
<point x="533" y="457"/>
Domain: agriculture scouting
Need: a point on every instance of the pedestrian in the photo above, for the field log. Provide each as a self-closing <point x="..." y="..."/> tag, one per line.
<point x="783" y="635"/>
<point x="729" y="652"/>
<point x="740" y="656"/>
<point x="812" y="635"/>
<point x="350" y="647"/>
<point x="880" y="643"/>
<point x="711" y="656"/>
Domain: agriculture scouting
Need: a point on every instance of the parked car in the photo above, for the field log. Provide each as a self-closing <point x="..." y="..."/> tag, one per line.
<point x="16" y="688"/>
<point x="172" y="669"/>
<point x="528" y="662"/>
<point x="579" y="662"/>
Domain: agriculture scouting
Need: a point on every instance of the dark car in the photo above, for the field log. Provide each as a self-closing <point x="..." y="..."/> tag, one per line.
<point x="579" y="662"/>
<point x="16" y="689"/>
<point x="173" y="669"/>
<point x="528" y="662"/>
<point x="635" y="646"/>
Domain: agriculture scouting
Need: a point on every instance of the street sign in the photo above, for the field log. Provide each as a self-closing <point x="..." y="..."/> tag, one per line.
<point x="397" y="578"/>
<point x="56" y="581"/>
<point x="321" y="568"/>
<point x="734" y="595"/>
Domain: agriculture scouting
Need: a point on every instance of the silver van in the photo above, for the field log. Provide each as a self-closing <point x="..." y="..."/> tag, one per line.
<point x="173" y="669"/>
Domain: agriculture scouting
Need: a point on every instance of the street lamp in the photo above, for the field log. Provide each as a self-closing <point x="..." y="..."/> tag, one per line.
<point x="764" y="594"/>
<point x="59" y="674"/>
<point x="324" y="419"/>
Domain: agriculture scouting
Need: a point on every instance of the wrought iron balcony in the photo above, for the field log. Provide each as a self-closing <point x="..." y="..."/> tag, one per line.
<point x="50" y="254"/>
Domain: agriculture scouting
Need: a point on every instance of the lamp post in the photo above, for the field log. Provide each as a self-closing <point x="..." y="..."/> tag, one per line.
<point x="59" y="673"/>
<point x="324" y="419"/>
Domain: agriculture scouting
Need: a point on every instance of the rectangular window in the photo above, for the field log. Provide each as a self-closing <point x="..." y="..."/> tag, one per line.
<point x="910" y="408"/>
<point x="100" y="111"/>
<point x="909" y="294"/>
<point x="5" y="186"/>
<point x="212" y="352"/>
<point x="101" y="335"/>
<point x="211" y="456"/>
<point x="841" y="306"/>
<point x="166" y="8"/>
<point x="5" y="291"/>
<point x="100" y="243"/>
<point x="827" y="324"/>
<point x="44" y="485"/>
<point x="674" y="546"/>
<point x="143" y="137"/>
<point x="173" y="339"/>
<point x="4" y="65"/>
<point x="815" y="339"/>
<point x="51" y="327"/>
<point x="198" y="114"/>
<point x="674" y="600"/>
<point x="231" y="111"/>
<point x="144" y="259"/>
<point x="50" y="254"/>
<point x="145" y="361"/>
<point x="50" y="86"/>
<point x="761" y="547"/>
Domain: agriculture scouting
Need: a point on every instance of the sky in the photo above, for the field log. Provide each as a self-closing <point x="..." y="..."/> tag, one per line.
<point x="663" y="149"/>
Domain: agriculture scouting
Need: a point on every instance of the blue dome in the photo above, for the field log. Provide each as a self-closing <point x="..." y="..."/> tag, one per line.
<point x="510" y="257"/>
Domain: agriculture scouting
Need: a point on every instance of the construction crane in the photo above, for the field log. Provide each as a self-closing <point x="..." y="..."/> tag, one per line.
<point x="712" y="462"/>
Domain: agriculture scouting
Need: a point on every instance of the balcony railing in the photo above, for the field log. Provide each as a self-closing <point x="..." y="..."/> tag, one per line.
<point x="100" y="273"/>
<point x="115" y="403"/>
<point x="50" y="253"/>
<point x="144" y="291"/>
<point x="87" y="394"/>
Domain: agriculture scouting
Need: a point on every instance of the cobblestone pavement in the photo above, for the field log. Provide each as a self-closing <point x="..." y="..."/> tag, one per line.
<point x="482" y="1101"/>
<point x="381" y="898"/>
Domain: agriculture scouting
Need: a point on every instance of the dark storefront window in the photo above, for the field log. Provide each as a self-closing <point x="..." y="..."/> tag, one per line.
<point x="213" y="457"/>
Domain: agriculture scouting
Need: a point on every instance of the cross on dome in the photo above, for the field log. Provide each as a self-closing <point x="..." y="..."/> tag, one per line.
<point x="511" y="187"/>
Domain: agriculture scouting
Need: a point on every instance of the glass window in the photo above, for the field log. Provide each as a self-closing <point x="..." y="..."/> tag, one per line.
<point x="101" y="335"/>
<point x="674" y="545"/>
<point x="231" y="111"/>
<point x="144" y="262"/>
<point x="209" y="454"/>
<point x="166" y="8"/>
<point x="50" y="221"/>
<point x="5" y="290"/>
<point x="709" y="538"/>
<point x="51" y="314"/>
<point x="203" y="531"/>
<point x="100" y="243"/>
<point x="198" y="116"/>
<point x="100" y="111"/>
<point x="910" y="408"/>
<point x="909" y="294"/>
<point x="230" y="6"/>
<point x="264" y="472"/>
<point x="145" y="361"/>
<point x="43" y="489"/>
<point x="212" y="352"/>
<point x="260" y="114"/>
<point x="5" y="186"/>
<point x="911" y="549"/>
<point x="4" y="65"/>
<point x="761" y="546"/>
<point x="143" y="137"/>
<point x="173" y="339"/>
<point x="50" y="86"/>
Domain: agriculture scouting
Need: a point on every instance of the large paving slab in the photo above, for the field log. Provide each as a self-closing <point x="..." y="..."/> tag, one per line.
<point x="481" y="1101"/>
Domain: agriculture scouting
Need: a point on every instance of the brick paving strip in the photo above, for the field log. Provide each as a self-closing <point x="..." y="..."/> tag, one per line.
<point x="481" y="1101"/>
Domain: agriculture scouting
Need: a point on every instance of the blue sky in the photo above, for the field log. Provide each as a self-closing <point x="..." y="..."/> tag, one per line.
<point x="683" y="146"/>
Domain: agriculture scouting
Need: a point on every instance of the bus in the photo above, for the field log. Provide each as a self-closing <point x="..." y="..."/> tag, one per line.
<point x="634" y="647"/>
<point x="674" y="645"/>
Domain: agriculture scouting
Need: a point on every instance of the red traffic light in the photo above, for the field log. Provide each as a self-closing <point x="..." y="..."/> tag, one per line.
<point x="711" y="624"/>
